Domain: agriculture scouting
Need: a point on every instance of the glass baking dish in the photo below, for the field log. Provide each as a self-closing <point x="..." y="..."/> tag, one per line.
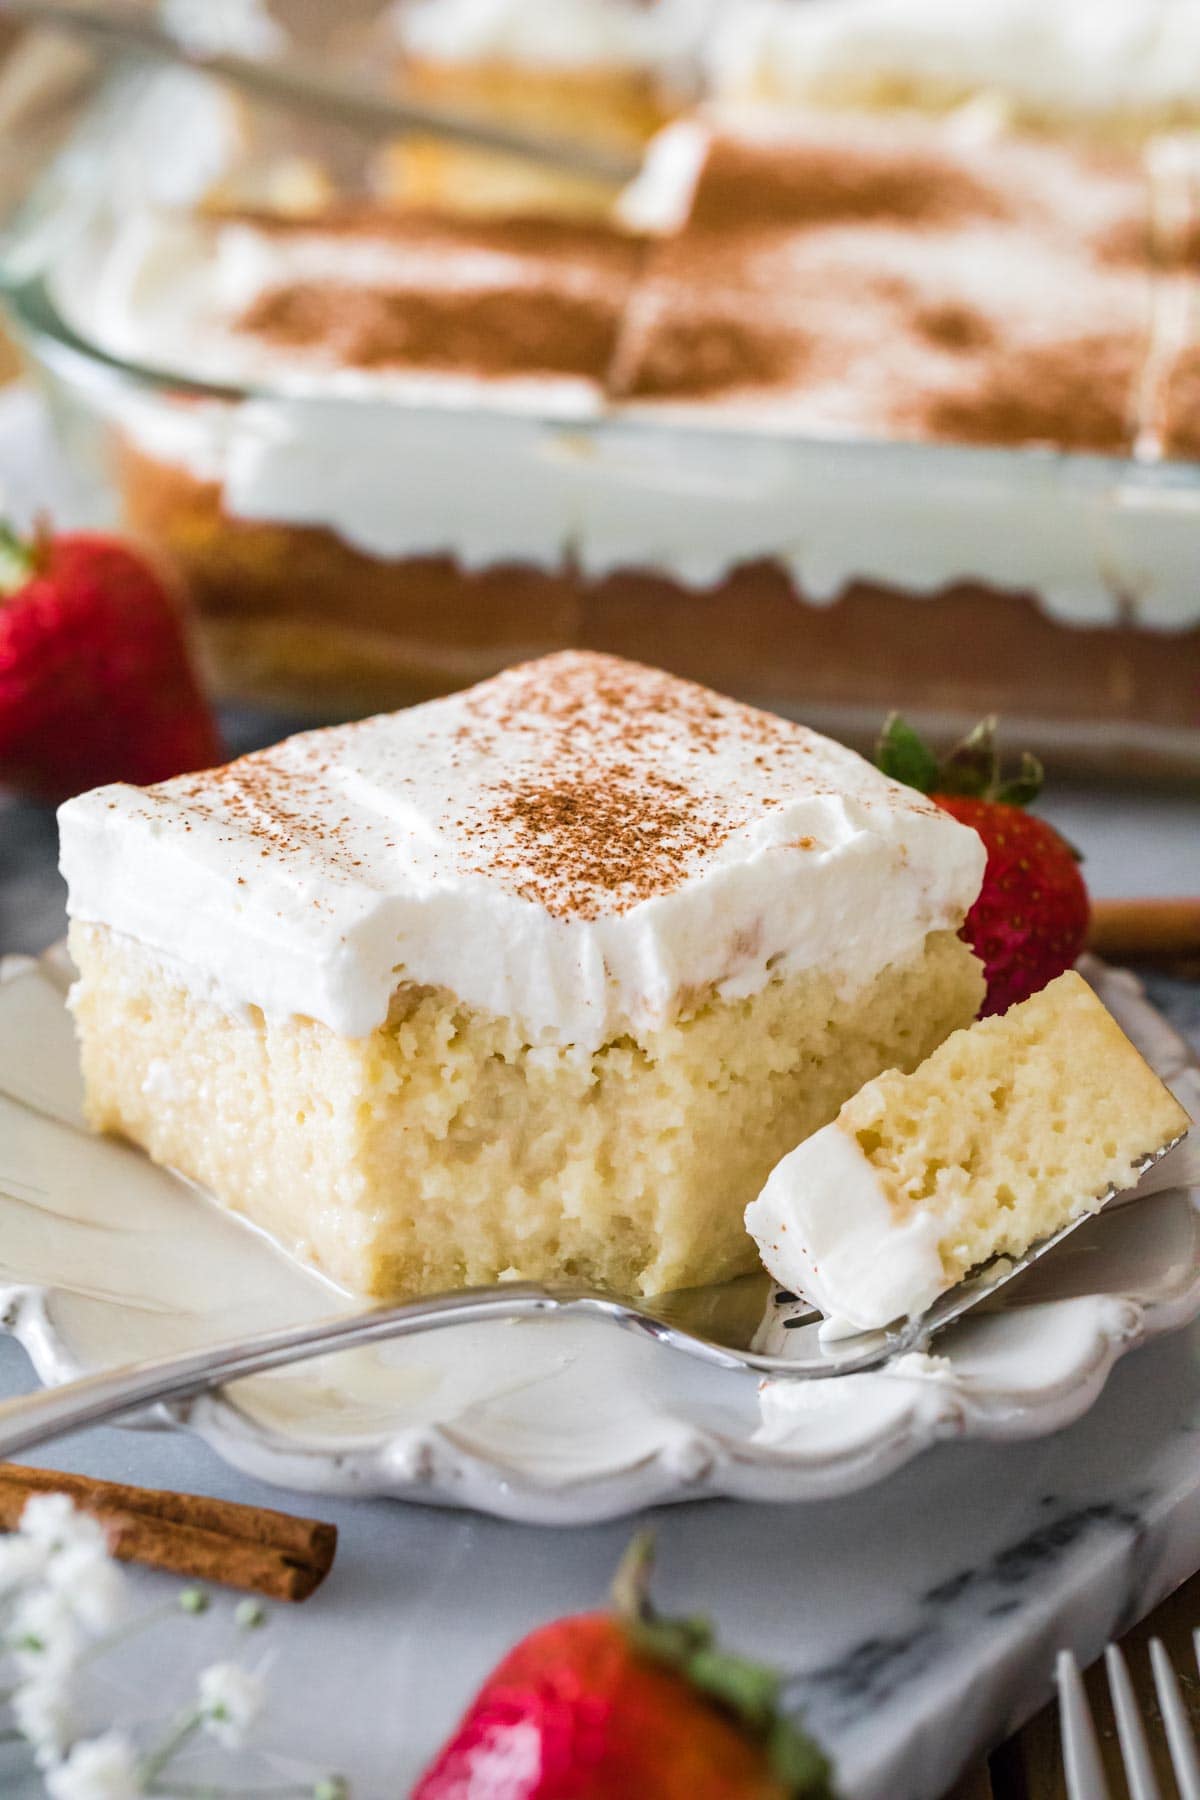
<point x="354" y="551"/>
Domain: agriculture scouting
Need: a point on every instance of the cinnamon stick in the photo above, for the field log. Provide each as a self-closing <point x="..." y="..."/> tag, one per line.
<point x="1146" y="930"/>
<point x="250" y="1547"/>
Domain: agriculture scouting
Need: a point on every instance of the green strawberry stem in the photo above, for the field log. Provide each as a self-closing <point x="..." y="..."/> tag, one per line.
<point x="20" y="559"/>
<point x="971" y="770"/>
<point x="748" y="1691"/>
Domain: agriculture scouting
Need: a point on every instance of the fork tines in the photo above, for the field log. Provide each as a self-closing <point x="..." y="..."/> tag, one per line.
<point x="1083" y="1764"/>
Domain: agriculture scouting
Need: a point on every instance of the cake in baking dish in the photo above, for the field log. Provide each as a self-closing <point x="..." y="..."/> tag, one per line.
<point x="601" y="73"/>
<point x="1007" y="1132"/>
<point x="856" y="278"/>
<point x="1113" y="69"/>
<point x="466" y="442"/>
<point x="539" y="979"/>
<point x="607" y="70"/>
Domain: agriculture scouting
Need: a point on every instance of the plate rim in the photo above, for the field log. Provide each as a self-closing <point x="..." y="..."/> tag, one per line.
<point x="438" y="1464"/>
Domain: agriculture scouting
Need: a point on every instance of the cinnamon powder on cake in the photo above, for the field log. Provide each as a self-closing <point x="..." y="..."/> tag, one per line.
<point x="1076" y="394"/>
<point x="281" y="806"/>
<point x="581" y="783"/>
<point x="537" y="296"/>
<point x="754" y="184"/>
<point x="499" y="332"/>
<point x="596" y="825"/>
<point x="1021" y="315"/>
<point x="623" y="834"/>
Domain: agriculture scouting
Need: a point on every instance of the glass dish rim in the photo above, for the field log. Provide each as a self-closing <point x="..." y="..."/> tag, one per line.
<point x="53" y="344"/>
<point x="67" y="192"/>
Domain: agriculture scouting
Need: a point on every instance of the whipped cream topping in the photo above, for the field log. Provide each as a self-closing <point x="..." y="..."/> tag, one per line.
<point x="825" y="1228"/>
<point x="582" y="845"/>
<point x="178" y="292"/>
<point x="561" y="477"/>
<point x="551" y="483"/>
<point x="641" y="36"/>
<point x="1077" y="58"/>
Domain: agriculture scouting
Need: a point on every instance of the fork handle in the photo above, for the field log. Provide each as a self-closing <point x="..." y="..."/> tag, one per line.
<point x="50" y="1412"/>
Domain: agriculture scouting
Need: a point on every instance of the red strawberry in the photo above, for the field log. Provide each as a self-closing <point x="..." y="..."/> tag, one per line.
<point x="95" y="680"/>
<point x="626" y="1706"/>
<point x="1030" y="921"/>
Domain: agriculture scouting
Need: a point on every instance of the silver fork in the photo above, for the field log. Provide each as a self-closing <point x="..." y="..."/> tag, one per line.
<point x="1081" y="1752"/>
<point x="746" y="1324"/>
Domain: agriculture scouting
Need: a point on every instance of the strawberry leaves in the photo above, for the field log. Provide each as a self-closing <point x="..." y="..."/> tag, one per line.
<point x="971" y="771"/>
<point x="903" y="755"/>
<point x="18" y="561"/>
<point x="748" y="1691"/>
<point x="972" y="768"/>
<point x="1023" y="788"/>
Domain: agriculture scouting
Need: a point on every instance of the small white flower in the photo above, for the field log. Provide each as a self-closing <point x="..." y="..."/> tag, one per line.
<point x="44" y="1634"/>
<point x="46" y="1516"/>
<point x="54" y="1521"/>
<point x="91" y="1584"/>
<point x="231" y="1698"/>
<point x="21" y="1562"/>
<point x="42" y="1714"/>
<point x="103" y="1768"/>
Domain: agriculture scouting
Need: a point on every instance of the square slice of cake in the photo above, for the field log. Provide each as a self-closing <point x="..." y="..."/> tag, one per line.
<point x="1009" y="1131"/>
<point x="541" y="978"/>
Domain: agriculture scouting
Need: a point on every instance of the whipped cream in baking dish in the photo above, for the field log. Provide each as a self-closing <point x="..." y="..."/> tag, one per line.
<point x="580" y="844"/>
<point x="302" y="311"/>
<point x="384" y="457"/>
<point x="1075" y="58"/>
<point x="651" y="35"/>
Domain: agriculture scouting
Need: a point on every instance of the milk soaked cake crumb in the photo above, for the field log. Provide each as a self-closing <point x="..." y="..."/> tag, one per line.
<point x="1009" y="1131"/>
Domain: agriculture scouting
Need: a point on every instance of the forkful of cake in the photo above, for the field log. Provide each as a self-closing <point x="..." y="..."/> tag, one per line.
<point x="931" y="1190"/>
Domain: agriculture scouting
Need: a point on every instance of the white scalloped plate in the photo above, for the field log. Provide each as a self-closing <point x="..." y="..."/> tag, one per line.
<point x="104" y="1258"/>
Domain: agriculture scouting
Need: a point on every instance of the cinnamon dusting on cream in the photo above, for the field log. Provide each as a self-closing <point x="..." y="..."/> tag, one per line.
<point x="581" y="845"/>
<point x="596" y="784"/>
<point x="515" y="296"/>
